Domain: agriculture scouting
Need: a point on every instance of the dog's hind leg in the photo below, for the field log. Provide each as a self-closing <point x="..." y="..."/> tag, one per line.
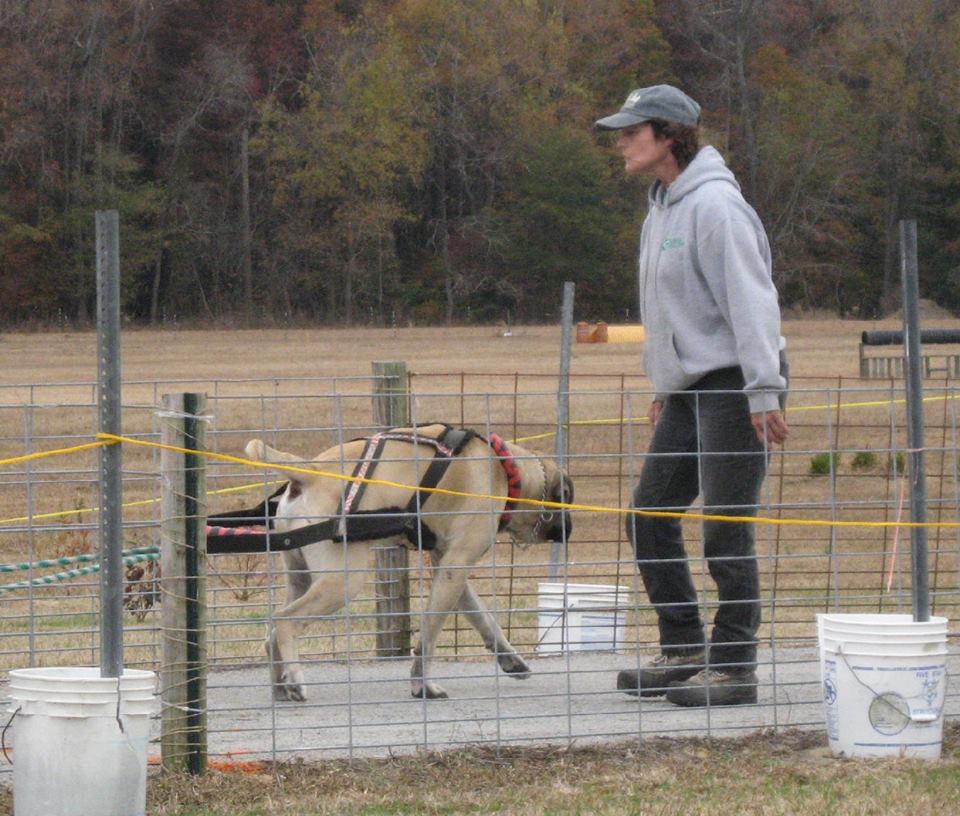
<point x="298" y="580"/>
<point x="338" y="572"/>
<point x="481" y="619"/>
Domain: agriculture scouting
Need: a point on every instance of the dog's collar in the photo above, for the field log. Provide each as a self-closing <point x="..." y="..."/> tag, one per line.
<point x="510" y="467"/>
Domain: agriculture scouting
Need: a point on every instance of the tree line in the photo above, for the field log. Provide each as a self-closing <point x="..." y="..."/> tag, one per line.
<point x="387" y="161"/>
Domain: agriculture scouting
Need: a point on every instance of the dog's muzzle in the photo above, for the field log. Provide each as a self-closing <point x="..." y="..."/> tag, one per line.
<point x="556" y="524"/>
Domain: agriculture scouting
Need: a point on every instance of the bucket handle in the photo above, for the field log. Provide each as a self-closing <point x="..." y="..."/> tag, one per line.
<point x="564" y="626"/>
<point x="3" y="736"/>
<point x="917" y="718"/>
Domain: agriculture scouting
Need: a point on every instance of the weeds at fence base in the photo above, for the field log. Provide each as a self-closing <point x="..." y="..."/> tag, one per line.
<point x="660" y="775"/>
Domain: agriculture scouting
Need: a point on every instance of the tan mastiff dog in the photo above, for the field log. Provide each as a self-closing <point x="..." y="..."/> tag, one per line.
<point x="458" y="526"/>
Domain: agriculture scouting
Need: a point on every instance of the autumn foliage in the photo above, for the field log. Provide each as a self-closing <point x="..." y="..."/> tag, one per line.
<point x="388" y="161"/>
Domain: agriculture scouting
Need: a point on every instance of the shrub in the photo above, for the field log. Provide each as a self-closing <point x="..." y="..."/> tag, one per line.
<point x="864" y="460"/>
<point x="820" y="464"/>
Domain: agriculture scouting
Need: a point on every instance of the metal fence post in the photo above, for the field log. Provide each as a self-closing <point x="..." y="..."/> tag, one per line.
<point x="391" y="409"/>
<point x="107" y="224"/>
<point x="914" y="381"/>
<point x="183" y="673"/>
<point x="558" y="548"/>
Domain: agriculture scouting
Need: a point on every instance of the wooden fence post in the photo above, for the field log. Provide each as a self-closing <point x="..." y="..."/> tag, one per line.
<point x="183" y="544"/>
<point x="391" y="409"/>
<point x="391" y="395"/>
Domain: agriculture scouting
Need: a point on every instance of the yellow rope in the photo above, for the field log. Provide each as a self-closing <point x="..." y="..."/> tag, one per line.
<point x="79" y="511"/>
<point x="29" y="457"/>
<point x="537" y="502"/>
<point x="793" y="409"/>
<point x="104" y="439"/>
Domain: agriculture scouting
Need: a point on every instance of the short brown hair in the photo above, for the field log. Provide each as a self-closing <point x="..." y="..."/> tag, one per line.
<point x="686" y="139"/>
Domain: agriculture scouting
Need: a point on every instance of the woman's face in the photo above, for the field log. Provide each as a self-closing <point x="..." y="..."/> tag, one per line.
<point x="643" y="153"/>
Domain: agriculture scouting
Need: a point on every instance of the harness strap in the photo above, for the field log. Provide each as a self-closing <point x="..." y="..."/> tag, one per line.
<point x="371" y="454"/>
<point x="263" y="512"/>
<point x="446" y="446"/>
<point x="362" y="525"/>
<point x="450" y="443"/>
<point x="232" y="535"/>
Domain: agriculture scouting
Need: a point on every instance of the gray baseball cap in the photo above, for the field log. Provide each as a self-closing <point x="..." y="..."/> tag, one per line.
<point x="656" y="102"/>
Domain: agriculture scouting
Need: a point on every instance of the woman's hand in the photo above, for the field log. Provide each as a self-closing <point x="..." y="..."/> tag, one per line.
<point x="770" y="426"/>
<point x="653" y="413"/>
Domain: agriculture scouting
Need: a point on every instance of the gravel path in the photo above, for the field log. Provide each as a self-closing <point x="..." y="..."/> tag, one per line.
<point x="364" y="709"/>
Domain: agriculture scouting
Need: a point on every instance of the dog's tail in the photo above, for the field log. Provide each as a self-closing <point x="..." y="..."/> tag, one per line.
<point x="258" y="451"/>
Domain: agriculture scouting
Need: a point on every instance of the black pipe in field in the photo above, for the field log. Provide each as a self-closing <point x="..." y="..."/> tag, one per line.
<point x="895" y="338"/>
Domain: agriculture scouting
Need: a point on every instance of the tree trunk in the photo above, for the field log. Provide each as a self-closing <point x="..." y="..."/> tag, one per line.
<point x="380" y="277"/>
<point x="447" y="273"/>
<point x="246" y="260"/>
<point x="890" y="297"/>
<point x="348" y="277"/>
<point x="155" y="289"/>
<point x="746" y="105"/>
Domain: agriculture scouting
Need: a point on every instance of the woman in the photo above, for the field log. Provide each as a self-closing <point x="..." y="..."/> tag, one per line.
<point x="714" y="354"/>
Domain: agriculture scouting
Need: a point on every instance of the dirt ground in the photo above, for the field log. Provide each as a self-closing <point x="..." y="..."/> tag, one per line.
<point x="819" y="348"/>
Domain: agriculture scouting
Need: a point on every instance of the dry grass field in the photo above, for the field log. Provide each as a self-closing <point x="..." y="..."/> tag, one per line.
<point x="819" y="348"/>
<point x="302" y="389"/>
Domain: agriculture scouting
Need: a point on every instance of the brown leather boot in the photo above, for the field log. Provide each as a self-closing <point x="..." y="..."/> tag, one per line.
<point x="711" y="687"/>
<point x="654" y="679"/>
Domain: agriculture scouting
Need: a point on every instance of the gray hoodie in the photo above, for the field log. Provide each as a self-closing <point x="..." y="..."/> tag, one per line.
<point x="707" y="298"/>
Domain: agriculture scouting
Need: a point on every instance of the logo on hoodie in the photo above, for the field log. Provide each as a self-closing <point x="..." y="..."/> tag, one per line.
<point x="672" y="243"/>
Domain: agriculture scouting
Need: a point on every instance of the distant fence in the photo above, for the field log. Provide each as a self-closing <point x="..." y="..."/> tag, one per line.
<point x="830" y="539"/>
<point x="876" y="360"/>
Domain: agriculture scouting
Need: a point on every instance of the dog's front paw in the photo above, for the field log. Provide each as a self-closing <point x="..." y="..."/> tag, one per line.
<point x="514" y="665"/>
<point x="429" y="691"/>
<point x="288" y="691"/>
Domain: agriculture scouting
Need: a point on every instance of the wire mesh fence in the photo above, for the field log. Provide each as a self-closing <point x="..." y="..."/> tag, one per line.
<point x="829" y="538"/>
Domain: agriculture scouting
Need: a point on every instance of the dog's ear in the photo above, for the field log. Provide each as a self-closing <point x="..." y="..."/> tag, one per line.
<point x="562" y="488"/>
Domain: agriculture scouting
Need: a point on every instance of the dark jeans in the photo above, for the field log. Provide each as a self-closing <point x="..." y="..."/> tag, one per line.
<point x="703" y="441"/>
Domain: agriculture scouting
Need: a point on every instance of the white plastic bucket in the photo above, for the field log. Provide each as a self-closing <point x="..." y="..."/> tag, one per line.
<point x="899" y="625"/>
<point x="884" y="684"/>
<point x="892" y="646"/>
<point x="581" y="617"/>
<point x="76" y="751"/>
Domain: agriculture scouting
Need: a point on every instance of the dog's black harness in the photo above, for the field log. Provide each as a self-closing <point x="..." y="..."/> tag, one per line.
<point x="231" y="534"/>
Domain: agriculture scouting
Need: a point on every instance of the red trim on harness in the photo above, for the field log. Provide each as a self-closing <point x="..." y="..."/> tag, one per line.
<point x="361" y="471"/>
<point x="213" y="530"/>
<point x="509" y="465"/>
